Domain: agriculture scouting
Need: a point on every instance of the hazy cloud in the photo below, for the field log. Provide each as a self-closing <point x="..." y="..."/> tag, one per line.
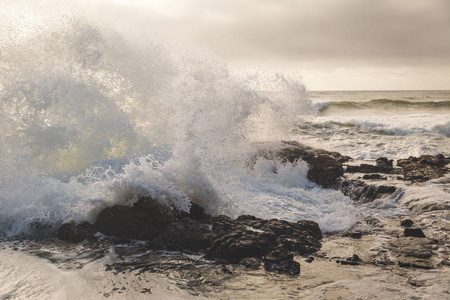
<point x="307" y="35"/>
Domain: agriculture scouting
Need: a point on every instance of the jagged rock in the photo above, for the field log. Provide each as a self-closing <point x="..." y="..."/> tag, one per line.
<point x="424" y="168"/>
<point x="414" y="232"/>
<point x="143" y="220"/>
<point x="281" y="262"/>
<point x="406" y="223"/>
<point x="361" y="192"/>
<point x="325" y="167"/>
<point x="75" y="233"/>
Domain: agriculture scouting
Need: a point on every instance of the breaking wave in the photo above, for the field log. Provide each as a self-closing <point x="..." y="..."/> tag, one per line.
<point x="91" y="117"/>
<point x="386" y="105"/>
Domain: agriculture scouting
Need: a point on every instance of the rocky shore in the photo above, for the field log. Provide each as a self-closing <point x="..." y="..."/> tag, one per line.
<point x="207" y="254"/>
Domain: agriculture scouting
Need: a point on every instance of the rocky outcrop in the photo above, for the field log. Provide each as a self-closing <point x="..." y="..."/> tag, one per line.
<point x="245" y="240"/>
<point x="424" y="168"/>
<point x="325" y="167"/>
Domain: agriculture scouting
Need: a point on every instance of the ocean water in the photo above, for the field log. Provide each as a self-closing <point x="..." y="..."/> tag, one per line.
<point x="370" y="124"/>
<point x="93" y="117"/>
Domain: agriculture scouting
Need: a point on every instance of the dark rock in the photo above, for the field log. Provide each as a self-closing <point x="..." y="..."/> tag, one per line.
<point x="430" y="206"/>
<point x="418" y="264"/>
<point x="325" y="168"/>
<point x="353" y="261"/>
<point x="251" y="263"/>
<point x="414" y="232"/>
<point x="184" y="235"/>
<point x="281" y="262"/>
<point x="143" y="220"/>
<point x="361" y="192"/>
<point x="352" y="234"/>
<point x="367" y="168"/>
<point x="223" y="225"/>
<point x="384" y="162"/>
<point x="407" y="223"/>
<point x="251" y="221"/>
<point x="75" y="233"/>
<point x="248" y="236"/>
<point x="424" y="168"/>
<point x="238" y="245"/>
<point x="374" y="177"/>
<point x="196" y="212"/>
<point x="310" y="259"/>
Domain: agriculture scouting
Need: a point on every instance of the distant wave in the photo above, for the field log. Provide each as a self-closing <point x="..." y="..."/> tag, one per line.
<point x="388" y="129"/>
<point x="383" y="104"/>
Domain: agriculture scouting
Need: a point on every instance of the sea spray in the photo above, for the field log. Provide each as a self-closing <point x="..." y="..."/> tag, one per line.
<point x="92" y="118"/>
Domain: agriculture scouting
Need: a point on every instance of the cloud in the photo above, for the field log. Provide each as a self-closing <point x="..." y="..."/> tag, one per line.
<point x="302" y="34"/>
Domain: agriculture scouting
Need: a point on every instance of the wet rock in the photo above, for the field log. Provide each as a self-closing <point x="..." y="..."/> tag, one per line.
<point x="325" y="167"/>
<point x="413" y="252"/>
<point x="352" y="234"/>
<point x="353" y="261"/>
<point x="424" y="168"/>
<point x="281" y="262"/>
<point x="248" y="236"/>
<point x="144" y="220"/>
<point x="383" y="162"/>
<point x="430" y="206"/>
<point x="374" y="177"/>
<point x="238" y="245"/>
<point x="406" y="223"/>
<point x="183" y="235"/>
<point x="362" y="192"/>
<point x="310" y="259"/>
<point x="367" y="168"/>
<point x="75" y="233"/>
<point x="250" y="263"/>
<point x="414" y="232"/>
<point x="196" y="212"/>
<point x="223" y="225"/>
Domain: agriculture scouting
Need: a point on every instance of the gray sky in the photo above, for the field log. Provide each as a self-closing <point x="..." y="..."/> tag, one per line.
<point x="330" y="44"/>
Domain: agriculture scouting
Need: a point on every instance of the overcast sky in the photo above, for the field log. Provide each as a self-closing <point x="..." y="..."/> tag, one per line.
<point x="330" y="44"/>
